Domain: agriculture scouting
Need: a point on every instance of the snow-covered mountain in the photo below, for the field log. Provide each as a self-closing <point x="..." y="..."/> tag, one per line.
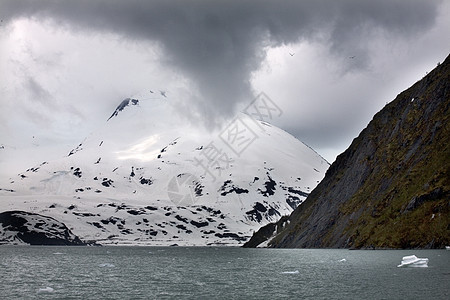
<point x="149" y="177"/>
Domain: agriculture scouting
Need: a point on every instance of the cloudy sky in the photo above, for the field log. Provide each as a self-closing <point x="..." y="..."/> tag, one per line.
<point x="329" y="65"/>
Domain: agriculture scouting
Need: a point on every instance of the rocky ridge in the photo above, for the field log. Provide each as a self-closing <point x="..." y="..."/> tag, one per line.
<point x="390" y="188"/>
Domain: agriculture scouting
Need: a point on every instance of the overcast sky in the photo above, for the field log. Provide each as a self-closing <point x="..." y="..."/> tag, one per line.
<point x="329" y="65"/>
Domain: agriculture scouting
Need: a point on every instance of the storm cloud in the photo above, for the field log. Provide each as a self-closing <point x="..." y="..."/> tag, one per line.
<point x="217" y="45"/>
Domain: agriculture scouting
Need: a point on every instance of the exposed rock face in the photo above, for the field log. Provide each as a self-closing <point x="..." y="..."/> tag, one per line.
<point x="122" y="105"/>
<point x="267" y="232"/>
<point x="391" y="187"/>
<point x="19" y="227"/>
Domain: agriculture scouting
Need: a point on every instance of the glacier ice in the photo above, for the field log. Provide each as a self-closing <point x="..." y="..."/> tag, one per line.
<point x="413" y="261"/>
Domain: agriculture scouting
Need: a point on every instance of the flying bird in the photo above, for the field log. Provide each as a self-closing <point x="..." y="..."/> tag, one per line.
<point x="291" y="54"/>
<point x="352" y="57"/>
<point x="163" y="93"/>
<point x="151" y="91"/>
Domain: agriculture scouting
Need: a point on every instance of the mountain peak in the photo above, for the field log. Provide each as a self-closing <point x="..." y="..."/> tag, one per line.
<point x="122" y="105"/>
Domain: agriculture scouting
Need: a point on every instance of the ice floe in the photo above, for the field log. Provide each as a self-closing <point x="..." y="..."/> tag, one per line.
<point x="106" y="265"/>
<point x="413" y="261"/>
<point x="45" y="290"/>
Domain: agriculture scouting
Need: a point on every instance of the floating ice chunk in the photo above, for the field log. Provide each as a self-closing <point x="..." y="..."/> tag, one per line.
<point x="447" y="247"/>
<point x="413" y="261"/>
<point x="291" y="272"/>
<point x="45" y="290"/>
<point x="343" y="260"/>
<point x="106" y="265"/>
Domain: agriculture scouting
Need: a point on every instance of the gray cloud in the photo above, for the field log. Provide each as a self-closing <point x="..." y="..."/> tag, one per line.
<point x="65" y="68"/>
<point x="38" y="92"/>
<point x="218" y="44"/>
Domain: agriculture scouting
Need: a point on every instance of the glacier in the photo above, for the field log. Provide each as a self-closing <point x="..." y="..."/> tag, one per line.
<point x="150" y="177"/>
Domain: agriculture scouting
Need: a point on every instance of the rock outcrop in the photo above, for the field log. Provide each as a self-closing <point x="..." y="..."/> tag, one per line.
<point x="19" y="227"/>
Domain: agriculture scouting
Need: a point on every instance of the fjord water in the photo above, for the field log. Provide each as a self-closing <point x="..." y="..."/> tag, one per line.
<point x="30" y="272"/>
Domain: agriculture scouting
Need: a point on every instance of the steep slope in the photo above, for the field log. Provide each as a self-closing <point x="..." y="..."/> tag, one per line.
<point x="148" y="177"/>
<point x="391" y="187"/>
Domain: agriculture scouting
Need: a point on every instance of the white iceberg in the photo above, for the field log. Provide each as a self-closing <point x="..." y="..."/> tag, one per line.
<point x="45" y="290"/>
<point x="413" y="261"/>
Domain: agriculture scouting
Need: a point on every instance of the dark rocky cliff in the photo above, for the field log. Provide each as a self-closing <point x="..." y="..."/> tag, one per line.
<point x="20" y="227"/>
<point x="391" y="187"/>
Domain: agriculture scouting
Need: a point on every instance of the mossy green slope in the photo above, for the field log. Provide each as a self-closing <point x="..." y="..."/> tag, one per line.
<point x="391" y="187"/>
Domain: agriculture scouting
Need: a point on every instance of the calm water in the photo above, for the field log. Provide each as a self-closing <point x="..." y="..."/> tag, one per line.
<point x="220" y="273"/>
